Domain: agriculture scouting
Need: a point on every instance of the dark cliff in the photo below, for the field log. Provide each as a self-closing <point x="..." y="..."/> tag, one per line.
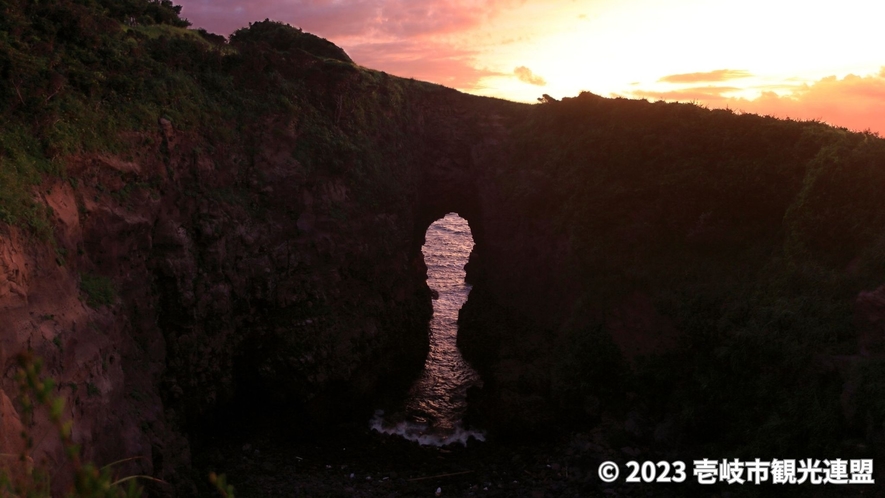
<point x="705" y="273"/>
<point x="190" y="228"/>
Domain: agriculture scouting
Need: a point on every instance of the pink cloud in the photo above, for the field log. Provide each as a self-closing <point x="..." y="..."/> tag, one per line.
<point x="330" y="18"/>
<point x="324" y="18"/>
<point x="402" y="37"/>
<point x="426" y="61"/>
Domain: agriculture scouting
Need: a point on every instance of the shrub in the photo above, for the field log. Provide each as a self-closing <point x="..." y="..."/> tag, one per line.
<point x="34" y="481"/>
<point x="99" y="290"/>
<point x="284" y="38"/>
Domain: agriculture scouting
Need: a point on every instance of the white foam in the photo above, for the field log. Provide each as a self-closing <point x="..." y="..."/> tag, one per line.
<point x="439" y="395"/>
<point x="418" y="432"/>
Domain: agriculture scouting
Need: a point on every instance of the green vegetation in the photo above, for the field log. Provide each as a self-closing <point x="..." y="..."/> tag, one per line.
<point x="18" y="478"/>
<point x="77" y="76"/>
<point x="25" y="480"/>
<point x="751" y="235"/>
<point x="82" y="78"/>
<point x="283" y="38"/>
<point x="220" y="482"/>
<point x="71" y="78"/>
<point x="99" y="290"/>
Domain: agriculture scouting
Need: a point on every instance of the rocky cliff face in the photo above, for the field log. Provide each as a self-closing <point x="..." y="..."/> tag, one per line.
<point x="191" y="276"/>
<point x="262" y="284"/>
<point x="663" y="264"/>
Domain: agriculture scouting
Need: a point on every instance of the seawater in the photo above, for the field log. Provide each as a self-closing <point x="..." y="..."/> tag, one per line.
<point x="434" y="409"/>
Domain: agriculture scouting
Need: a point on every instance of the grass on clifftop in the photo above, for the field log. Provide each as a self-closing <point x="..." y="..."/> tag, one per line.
<point x="75" y="74"/>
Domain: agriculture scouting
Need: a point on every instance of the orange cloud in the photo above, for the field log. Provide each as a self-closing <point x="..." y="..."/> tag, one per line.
<point x="710" y="93"/>
<point x="402" y="37"/>
<point x="426" y="61"/>
<point x="854" y="102"/>
<point x="526" y="75"/>
<point x="717" y="75"/>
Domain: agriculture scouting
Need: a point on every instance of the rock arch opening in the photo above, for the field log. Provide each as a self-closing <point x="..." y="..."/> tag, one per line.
<point x="434" y="408"/>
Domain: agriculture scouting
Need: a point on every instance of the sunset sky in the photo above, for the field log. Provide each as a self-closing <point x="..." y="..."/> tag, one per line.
<point x="788" y="58"/>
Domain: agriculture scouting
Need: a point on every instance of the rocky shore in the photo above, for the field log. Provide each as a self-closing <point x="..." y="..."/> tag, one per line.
<point x="362" y="463"/>
<point x="354" y="462"/>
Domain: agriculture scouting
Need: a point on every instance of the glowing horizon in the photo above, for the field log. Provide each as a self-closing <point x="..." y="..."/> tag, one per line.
<point x="780" y="57"/>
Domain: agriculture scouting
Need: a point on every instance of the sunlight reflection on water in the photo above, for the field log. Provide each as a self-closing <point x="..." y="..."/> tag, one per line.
<point x="436" y="403"/>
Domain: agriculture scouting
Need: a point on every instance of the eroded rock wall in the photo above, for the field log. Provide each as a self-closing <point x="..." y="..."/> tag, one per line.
<point x="190" y="275"/>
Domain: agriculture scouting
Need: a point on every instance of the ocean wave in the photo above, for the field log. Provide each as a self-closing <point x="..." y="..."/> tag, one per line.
<point x="423" y="433"/>
<point x="432" y="414"/>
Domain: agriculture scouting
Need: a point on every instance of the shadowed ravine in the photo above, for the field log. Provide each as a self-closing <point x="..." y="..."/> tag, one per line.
<point x="432" y="413"/>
